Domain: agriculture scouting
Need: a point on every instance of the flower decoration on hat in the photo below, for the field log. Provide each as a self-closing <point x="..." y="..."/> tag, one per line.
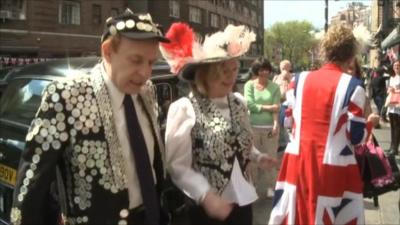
<point x="184" y="49"/>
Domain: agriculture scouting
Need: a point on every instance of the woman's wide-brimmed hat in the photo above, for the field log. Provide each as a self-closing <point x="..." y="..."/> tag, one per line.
<point x="184" y="53"/>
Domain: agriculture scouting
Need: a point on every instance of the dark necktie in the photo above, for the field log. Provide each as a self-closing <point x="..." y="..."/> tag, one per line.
<point x="142" y="162"/>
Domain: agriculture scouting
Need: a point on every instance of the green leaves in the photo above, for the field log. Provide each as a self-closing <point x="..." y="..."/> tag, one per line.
<point x="290" y="40"/>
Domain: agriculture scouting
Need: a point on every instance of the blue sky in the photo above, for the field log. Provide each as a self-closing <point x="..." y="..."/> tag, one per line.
<point x="310" y="10"/>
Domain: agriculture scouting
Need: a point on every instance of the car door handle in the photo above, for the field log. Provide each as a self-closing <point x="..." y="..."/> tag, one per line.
<point x="2" y="156"/>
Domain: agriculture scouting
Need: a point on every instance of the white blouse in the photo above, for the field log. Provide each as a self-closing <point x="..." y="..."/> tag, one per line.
<point x="394" y="82"/>
<point x="180" y="121"/>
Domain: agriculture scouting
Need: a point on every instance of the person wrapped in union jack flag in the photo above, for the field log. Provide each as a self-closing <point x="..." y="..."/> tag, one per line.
<point x="319" y="180"/>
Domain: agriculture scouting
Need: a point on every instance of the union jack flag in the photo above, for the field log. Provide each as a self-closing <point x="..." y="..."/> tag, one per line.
<point x="319" y="181"/>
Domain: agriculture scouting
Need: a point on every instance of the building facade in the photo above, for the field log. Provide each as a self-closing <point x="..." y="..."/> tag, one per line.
<point x="36" y="30"/>
<point x="385" y="22"/>
<point x="208" y="16"/>
<point x="355" y="14"/>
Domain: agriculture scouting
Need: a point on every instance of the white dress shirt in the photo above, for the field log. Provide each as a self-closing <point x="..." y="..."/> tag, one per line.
<point x="117" y="97"/>
<point x="394" y="82"/>
<point x="180" y="121"/>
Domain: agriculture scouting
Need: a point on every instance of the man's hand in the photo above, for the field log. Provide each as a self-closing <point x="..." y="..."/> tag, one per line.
<point x="216" y="207"/>
<point x="266" y="162"/>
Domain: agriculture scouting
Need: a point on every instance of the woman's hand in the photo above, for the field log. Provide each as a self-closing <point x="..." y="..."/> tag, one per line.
<point x="373" y="118"/>
<point x="275" y="130"/>
<point x="216" y="207"/>
<point x="266" y="162"/>
<point x="270" y="108"/>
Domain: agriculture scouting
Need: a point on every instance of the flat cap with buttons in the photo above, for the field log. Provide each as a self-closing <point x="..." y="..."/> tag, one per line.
<point x="133" y="26"/>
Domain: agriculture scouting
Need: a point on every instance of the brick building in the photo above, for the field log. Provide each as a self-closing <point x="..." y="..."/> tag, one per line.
<point x="207" y="16"/>
<point x="34" y="30"/>
<point x="386" y="26"/>
<point x="355" y="14"/>
<point x="37" y="29"/>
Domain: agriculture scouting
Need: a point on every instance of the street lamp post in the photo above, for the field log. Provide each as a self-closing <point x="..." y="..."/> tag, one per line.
<point x="326" y="15"/>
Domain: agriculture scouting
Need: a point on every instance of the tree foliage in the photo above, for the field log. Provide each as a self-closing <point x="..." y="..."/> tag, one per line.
<point x="292" y="40"/>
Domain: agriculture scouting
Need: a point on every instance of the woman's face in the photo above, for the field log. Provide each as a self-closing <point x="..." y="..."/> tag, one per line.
<point x="396" y="68"/>
<point x="263" y="73"/>
<point x="223" y="85"/>
<point x="351" y="69"/>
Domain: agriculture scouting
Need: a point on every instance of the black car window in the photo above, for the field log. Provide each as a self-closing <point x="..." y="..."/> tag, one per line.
<point x="21" y="100"/>
<point x="183" y="89"/>
<point x="164" y="99"/>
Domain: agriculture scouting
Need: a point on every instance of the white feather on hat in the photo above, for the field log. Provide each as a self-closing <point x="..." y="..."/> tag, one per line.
<point x="234" y="41"/>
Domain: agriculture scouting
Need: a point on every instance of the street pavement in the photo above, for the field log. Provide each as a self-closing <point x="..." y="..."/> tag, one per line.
<point x="387" y="213"/>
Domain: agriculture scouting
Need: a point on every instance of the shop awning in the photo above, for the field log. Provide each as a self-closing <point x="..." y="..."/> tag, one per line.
<point x="392" y="39"/>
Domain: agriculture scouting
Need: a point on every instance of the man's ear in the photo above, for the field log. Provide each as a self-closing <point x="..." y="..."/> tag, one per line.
<point x="106" y="50"/>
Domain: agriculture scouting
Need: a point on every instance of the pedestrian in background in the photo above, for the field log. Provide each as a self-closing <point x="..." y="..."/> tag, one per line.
<point x="319" y="180"/>
<point x="393" y="109"/>
<point x="87" y="137"/>
<point x="378" y="89"/>
<point x="208" y="139"/>
<point x="355" y="70"/>
<point x="263" y="100"/>
<point x="283" y="80"/>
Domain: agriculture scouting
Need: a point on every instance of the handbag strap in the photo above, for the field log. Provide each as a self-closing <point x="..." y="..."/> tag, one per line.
<point x="374" y="140"/>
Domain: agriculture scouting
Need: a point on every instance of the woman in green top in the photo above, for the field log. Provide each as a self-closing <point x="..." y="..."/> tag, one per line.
<point x="263" y="99"/>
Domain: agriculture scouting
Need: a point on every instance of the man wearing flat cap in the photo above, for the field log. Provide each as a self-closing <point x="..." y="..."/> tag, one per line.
<point x="96" y="138"/>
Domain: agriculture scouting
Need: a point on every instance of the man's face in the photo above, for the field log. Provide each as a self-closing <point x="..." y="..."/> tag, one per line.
<point x="131" y="64"/>
<point x="287" y="67"/>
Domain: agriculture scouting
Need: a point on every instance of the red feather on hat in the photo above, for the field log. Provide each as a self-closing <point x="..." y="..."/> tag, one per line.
<point x="182" y="38"/>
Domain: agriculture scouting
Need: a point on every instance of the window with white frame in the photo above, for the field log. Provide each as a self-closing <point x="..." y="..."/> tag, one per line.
<point x="214" y="20"/>
<point x="194" y="14"/>
<point x="199" y="37"/>
<point x="69" y="13"/>
<point x="13" y="9"/>
<point x="224" y="22"/>
<point x="253" y="16"/>
<point x="232" y="5"/>
<point x="114" y="12"/>
<point x="174" y="9"/>
<point x="246" y="12"/>
<point x="253" y="49"/>
<point x="96" y="13"/>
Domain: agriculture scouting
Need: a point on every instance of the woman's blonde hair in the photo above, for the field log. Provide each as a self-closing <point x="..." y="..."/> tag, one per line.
<point x="206" y="73"/>
<point x="339" y="44"/>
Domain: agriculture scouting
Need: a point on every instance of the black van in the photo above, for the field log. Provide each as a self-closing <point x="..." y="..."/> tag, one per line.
<point x="22" y="96"/>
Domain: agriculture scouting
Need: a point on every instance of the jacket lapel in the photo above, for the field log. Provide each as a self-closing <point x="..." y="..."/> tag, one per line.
<point x="106" y="113"/>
